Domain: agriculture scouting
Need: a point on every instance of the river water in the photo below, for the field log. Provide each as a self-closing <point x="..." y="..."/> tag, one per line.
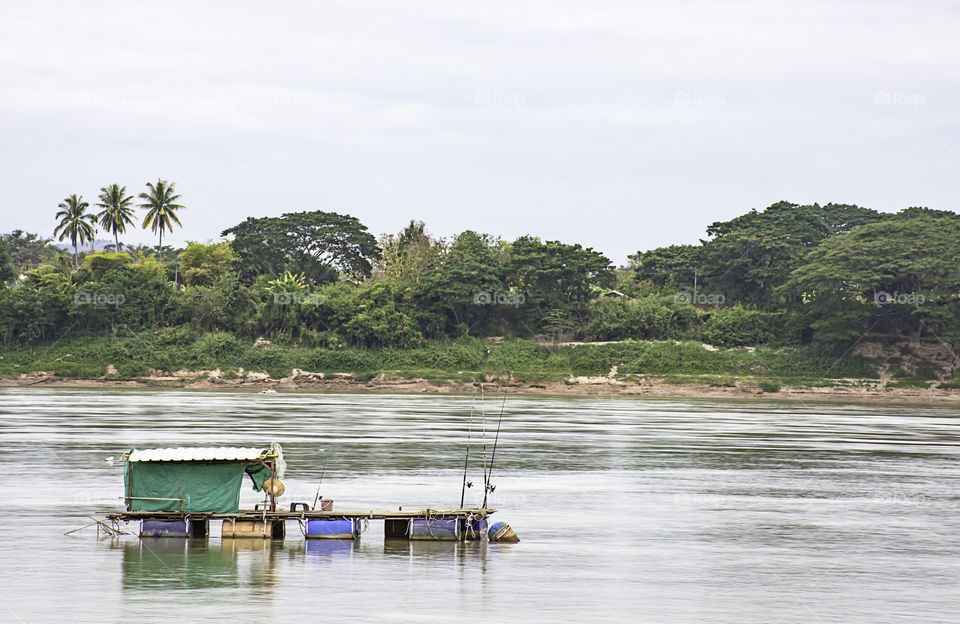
<point x="629" y="510"/>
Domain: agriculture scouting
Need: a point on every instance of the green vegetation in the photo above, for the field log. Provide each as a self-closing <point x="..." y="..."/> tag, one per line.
<point x="769" y="385"/>
<point x="160" y="204"/>
<point x="117" y="212"/>
<point x="792" y="295"/>
<point x="75" y="223"/>
<point x="175" y="349"/>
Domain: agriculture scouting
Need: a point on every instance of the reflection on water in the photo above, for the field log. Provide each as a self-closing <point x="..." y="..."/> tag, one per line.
<point x="164" y="563"/>
<point x="425" y="552"/>
<point x="160" y="565"/>
<point x="629" y="510"/>
<point x="331" y="548"/>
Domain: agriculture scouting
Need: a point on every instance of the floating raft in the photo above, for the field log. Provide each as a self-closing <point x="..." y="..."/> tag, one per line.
<point x="425" y="524"/>
<point x="176" y="492"/>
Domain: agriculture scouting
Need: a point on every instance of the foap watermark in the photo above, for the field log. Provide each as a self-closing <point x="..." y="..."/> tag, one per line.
<point x="688" y="98"/>
<point x="288" y="298"/>
<point x="884" y="298"/>
<point x="497" y="98"/>
<point x="899" y="497"/>
<point x="488" y="297"/>
<point x="895" y="98"/>
<point x="699" y="499"/>
<point x="98" y="298"/>
<point x="100" y="99"/>
<point x="299" y="98"/>
<point x="698" y="298"/>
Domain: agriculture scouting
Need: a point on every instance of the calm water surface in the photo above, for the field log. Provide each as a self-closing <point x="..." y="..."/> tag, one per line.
<point x="629" y="510"/>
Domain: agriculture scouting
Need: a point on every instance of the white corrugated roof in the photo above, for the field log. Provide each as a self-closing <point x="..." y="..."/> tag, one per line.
<point x="210" y="453"/>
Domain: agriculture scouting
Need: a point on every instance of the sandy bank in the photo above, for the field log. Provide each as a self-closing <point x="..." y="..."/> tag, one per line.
<point x="302" y="381"/>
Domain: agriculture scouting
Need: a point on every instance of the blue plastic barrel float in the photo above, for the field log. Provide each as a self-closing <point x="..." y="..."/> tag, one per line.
<point x="502" y="532"/>
<point x="474" y="528"/>
<point x="434" y="529"/>
<point x="342" y="528"/>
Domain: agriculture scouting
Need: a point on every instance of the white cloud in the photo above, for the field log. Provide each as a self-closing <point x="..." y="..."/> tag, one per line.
<point x="621" y="125"/>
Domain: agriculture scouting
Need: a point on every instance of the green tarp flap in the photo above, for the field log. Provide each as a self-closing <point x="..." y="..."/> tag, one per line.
<point x="207" y="487"/>
<point x="258" y="474"/>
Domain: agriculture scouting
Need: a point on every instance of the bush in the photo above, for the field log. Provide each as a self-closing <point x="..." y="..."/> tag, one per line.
<point x="622" y="318"/>
<point x="663" y="358"/>
<point x="341" y="360"/>
<point x="216" y="348"/>
<point x="927" y="371"/>
<point x="908" y="383"/>
<point x="275" y="361"/>
<point x="517" y="355"/>
<point x="738" y="326"/>
<point x="768" y="385"/>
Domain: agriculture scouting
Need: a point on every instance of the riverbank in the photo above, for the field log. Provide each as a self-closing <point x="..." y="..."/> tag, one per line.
<point x="865" y="391"/>
<point x="870" y="371"/>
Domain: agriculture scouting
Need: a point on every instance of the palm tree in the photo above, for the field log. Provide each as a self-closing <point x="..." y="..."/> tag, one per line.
<point x="117" y="211"/>
<point x="161" y="209"/>
<point x="75" y="223"/>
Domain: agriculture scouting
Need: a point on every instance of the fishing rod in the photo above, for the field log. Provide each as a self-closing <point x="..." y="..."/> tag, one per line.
<point x="323" y="471"/>
<point x="487" y="488"/>
<point x="466" y="460"/>
<point x="483" y="430"/>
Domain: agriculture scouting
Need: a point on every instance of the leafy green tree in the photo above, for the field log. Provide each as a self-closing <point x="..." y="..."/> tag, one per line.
<point x="117" y="211"/>
<point x="75" y="224"/>
<point x="921" y="211"/>
<point x="38" y="308"/>
<point x="151" y="251"/>
<point x="161" y="205"/>
<point x="410" y="255"/>
<point x="147" y="265"/>
<point x="290" y="308"/>
<point x="737" y="326"/>
<point x="900" y="273"/>
<point x="134" y="295"/>
<point x="317" y="244"/>
<point x="644" y="318"/>
<point x="223" y="305"/>
<point x="675" y="266"/>
<point x="28" y="314"/>
<point x="7" y="271"/>
<point x="28" y="250"/>
<point x="554" y="276"/>
<point x="377" y="314"/>
<point x="457" y="297"/>
<point x="100" y="262"/>
<point x="47" y="276"/>
<point x="752" y="255"/>
<point x="202" y="265"/>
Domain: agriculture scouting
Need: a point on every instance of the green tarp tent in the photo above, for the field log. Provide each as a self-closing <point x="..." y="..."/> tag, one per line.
<point x="209" y="485"/>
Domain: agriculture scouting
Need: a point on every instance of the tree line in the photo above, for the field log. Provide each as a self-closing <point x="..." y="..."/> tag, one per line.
<point x="80" y="226"/>
<point x="785" y="275"/>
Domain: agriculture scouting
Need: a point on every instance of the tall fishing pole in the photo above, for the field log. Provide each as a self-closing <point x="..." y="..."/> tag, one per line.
<point x="323" y="471"/>
<point x="493" y="454"/>
<point x="483" y="432"/>
<point x="466" y="460"/>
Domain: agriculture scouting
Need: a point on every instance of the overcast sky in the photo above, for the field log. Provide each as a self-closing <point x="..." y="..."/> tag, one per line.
<point x="619" y="125"/>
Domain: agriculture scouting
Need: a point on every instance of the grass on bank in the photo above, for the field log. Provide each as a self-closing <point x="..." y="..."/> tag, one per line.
<point x="138" y="355"/>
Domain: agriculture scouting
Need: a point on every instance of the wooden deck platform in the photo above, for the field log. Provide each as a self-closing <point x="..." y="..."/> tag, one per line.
<point x="427" y="523"/>
<point x="259" y="514"/>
